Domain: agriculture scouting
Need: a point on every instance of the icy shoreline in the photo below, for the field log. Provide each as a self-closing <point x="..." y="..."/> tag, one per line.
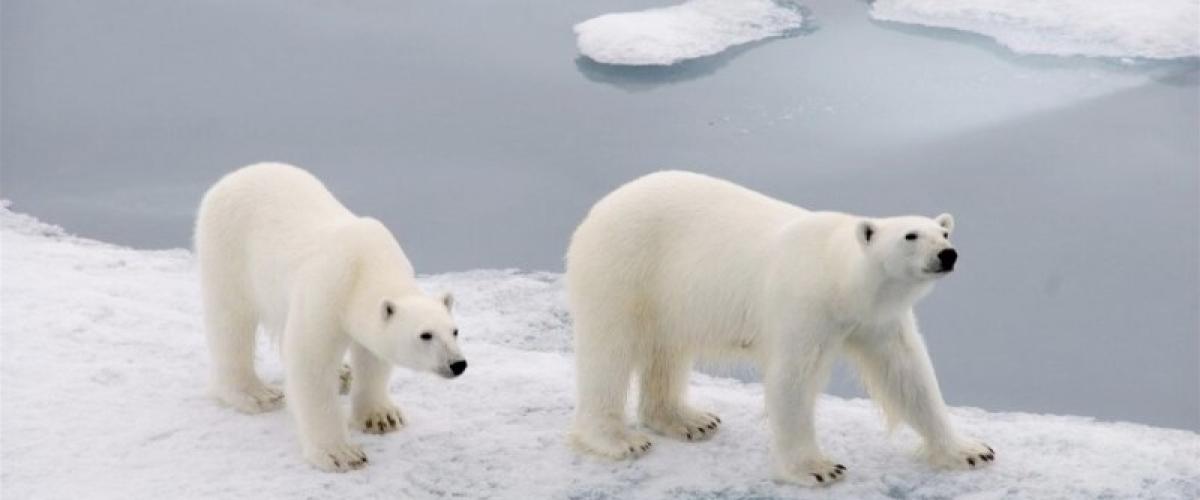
<point x="1153" y="29"/>
<point x="693" y="29"/>
<point x="103" y="367"/>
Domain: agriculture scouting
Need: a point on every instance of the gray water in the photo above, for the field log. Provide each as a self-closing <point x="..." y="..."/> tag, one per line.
<point x="477" y="133"/>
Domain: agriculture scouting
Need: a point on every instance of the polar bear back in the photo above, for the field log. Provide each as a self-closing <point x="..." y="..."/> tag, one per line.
<point x="260" y="225"/>
<point x="288" y="199"/>
<point x="687" y="252"/>
<point x="677" y="214"/>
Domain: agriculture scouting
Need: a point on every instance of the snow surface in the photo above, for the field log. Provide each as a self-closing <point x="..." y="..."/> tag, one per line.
<point x="1155" y="29"/>
<point x="692" y="29"/>
<point x="103" y="365"/>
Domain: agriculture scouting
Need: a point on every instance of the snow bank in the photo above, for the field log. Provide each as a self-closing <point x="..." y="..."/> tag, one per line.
<point x="103" y="365"/>
<point x="695" y="28"/>
<point x="1156" y="29"/>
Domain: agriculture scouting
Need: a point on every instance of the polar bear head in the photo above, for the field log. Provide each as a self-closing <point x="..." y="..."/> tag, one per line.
<point x="414" y="331"/>
<point x="909" y="249"/>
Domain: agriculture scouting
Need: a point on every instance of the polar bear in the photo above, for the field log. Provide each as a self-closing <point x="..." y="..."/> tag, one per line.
<point x="677" y="265"/>
<point x="276" y="249"/>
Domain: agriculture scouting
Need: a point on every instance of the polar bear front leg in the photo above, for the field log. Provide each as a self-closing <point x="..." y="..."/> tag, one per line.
<point x="795" y="374"/>
<point x="312" y="357"/>
<point x="894" y="365"/>
<point x="372" y="410"/>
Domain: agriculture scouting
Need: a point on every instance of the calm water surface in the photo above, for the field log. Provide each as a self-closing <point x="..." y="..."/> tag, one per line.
<point x="474" y="130"/>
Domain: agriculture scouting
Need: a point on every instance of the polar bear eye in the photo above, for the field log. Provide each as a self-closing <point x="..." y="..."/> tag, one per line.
<point x="946" y="235"/>
<point x="426" y="336"/>
<point x="456" y="332"/>
<point x="910" y="236"/>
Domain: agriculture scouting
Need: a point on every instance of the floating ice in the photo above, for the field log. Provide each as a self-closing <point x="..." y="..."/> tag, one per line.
<point x="692" y="29"/>
<point x="1155" y="29"/>
<point x="104" y="369"/>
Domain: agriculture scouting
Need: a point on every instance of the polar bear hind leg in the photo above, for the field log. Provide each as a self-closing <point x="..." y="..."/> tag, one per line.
<point x="230" y="330"/>
<point x="663" y="399"/>
<point x="603" y="370"/>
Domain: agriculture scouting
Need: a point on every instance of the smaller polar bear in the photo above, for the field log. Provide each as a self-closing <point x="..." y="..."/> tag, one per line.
<point x="676" y="265"/>
<point x="276" y="249"/>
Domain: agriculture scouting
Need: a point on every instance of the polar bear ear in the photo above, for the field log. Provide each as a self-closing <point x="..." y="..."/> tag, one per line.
<point x="946" y="221"/>
<point x="387" y="309"/>
<point x="448" y="300"/>
<point x="864" y="230"/>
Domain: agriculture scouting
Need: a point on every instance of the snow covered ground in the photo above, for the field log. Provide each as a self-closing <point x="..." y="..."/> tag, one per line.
<point x="1155" y="29"/>
<point x="695" y="28"/>
<point x="103" y="367"/>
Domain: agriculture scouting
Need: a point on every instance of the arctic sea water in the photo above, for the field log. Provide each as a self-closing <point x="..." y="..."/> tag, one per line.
<point x="478" y="134"/>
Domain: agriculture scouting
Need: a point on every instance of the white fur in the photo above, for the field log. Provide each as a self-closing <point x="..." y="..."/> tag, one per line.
<point x="276" y="249"/>
<point x="676" y="265"/>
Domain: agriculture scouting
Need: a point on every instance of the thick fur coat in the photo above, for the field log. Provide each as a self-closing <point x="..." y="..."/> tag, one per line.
<point x="675" y="266"/>
<point x="277" y="250"/>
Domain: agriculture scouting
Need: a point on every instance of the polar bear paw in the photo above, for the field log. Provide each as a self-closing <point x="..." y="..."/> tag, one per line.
<point x="258" y="398"/>
<point x="811" y="472"/>
<point x="337" y="458"/>
<point x="966" y="455"/>
<point x="685" y="424"/>
<point x="380" y="419"/>
<point x="617" y="445"/>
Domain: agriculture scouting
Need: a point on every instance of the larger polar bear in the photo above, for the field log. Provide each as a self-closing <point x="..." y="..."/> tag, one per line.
<point x="276" y="249"/>
<point x="677" y="265"/>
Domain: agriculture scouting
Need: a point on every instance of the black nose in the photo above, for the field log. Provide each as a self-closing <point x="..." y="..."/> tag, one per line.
<point x="948" y="258"/>
<point x="458" y="367"/>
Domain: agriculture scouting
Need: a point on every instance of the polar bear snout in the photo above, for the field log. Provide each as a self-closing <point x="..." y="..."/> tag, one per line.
<point x="452" y="369"/>
<point x="458" y="367"/>
<point x="946" y="259"/>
